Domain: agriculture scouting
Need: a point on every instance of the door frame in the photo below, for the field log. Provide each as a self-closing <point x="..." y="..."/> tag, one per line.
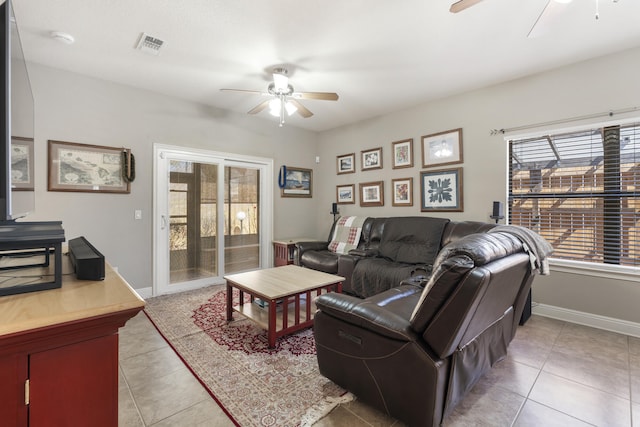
<point x="161" y="215"/>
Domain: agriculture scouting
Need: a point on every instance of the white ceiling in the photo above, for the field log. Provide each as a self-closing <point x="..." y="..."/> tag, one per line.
<point x="378" y="55"/>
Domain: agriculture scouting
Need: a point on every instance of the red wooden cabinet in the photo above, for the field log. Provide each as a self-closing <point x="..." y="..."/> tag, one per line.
<point x="62" y="377"/>
<point x="13" y="375"/>
<point x="59" y="353"/>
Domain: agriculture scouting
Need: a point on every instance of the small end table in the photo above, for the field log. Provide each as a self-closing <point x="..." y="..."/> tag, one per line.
<point x="283" y="250"/>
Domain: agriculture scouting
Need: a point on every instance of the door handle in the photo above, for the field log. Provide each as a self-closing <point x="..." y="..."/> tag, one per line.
<point x="163" y="222"/>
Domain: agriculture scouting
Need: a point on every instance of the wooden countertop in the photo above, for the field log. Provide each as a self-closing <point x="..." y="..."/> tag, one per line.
<point x="74" y="300"/>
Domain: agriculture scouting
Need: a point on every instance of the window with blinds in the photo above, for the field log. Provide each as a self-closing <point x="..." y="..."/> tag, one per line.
<point x="580" y="191"/>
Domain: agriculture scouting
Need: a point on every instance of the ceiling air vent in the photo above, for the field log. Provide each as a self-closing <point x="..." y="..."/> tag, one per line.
<point x="150" y="44"/>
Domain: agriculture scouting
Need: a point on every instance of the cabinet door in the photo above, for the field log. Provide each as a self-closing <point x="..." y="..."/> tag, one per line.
<point x="75" y="385"/>
<point x="13" y="374"/>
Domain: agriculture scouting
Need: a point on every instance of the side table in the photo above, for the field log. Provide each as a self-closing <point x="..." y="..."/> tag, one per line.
<point x="283" y="250"/>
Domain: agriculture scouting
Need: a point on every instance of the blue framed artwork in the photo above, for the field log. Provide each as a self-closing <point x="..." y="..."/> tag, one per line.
<point x="441" y="190"/>
<point x="298" y="183"/>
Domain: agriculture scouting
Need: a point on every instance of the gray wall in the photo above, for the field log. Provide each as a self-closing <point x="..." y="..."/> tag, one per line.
<point x="79" y="109"/>
<point x="75" y="108"/>
<point x="601" y="85"/>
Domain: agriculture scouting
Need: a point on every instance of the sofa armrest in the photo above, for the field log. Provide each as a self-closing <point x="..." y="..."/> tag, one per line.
<point x="364" y="252"/>
<point x="373" y="314"/>
<point x="302" y="247"/>
<point x="312" y="246"/>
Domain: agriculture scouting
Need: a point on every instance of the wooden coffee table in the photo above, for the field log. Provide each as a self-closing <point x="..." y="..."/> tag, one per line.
<point x="281" y="298"/>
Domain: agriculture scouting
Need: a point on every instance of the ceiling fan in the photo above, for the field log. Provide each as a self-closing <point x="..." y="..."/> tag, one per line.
<point x="284" y="100"/>
<point x="550" y="13"/>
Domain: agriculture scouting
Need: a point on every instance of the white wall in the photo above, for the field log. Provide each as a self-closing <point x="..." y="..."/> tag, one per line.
<point x="595" y="86"/>
<point x="75" y="108"/>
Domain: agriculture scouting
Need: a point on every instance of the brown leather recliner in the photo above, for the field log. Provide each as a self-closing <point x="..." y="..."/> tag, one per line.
<point x="415" y="353"/>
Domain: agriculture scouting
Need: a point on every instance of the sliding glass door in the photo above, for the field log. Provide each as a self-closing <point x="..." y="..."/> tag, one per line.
<point x="210" y="212"/>
<point x="242" y="219"/>
<point x="192" y="221"/>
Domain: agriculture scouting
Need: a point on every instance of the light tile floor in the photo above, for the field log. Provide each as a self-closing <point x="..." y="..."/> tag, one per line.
<point x="556" y="374"/>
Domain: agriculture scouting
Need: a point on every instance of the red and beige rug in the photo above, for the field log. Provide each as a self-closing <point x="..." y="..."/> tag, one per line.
<point x="255" y="385"/>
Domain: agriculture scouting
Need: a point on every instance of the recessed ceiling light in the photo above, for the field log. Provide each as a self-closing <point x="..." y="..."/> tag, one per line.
<point x="62" y="37"/>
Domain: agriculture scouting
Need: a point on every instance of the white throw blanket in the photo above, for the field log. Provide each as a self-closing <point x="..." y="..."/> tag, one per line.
<point x="346" y="234"/>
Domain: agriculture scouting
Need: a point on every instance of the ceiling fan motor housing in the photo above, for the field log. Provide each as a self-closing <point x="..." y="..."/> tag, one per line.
<point x="273" y="90"/>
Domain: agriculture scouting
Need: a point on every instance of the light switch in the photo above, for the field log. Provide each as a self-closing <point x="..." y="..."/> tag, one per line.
<point x="137" y="214"/>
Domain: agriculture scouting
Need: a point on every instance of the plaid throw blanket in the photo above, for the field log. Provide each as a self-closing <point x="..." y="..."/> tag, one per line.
<point x="346" y="234"/>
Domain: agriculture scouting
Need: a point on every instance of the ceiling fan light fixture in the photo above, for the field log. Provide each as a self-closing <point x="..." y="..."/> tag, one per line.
<point x="291" y="109"/>
<point x="280" y="81"/>
<point x="284" y="100"/>
<point x="275" y="107"/>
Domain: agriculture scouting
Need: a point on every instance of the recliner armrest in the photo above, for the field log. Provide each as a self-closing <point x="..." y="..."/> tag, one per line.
<point x="302" y="247"/>
<point x="364" y="252"/>
<point x="311" y="246"/>
<point x="385" y="314"/>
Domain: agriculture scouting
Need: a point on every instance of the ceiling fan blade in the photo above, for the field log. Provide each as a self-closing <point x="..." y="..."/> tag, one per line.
<point x="549" y="15"/>
<point x="302" y="110"/>
<point x="258" y="108"/>
<point x="323" y="96"/>
<point x="461" y="5"/>
<point x="256" y="92"/>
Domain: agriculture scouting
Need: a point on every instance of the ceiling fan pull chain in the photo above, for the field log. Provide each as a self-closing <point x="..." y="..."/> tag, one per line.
<point x="597" y="9"/>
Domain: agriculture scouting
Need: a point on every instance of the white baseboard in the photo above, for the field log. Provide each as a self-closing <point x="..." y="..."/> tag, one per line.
<point x="145" y="292"/>
<point x="587" y="319"/>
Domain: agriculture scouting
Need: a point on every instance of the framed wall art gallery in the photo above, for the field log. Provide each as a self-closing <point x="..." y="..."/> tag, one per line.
<point x="345" y="194"/>
<point x="443" y="148"/>
<point x="441" y="190"/>
<point x="402" y="192"/>
<point x="372" y="194"/>
<point x="372" y="159"/>
<point x="402" y="154"/>
<point x="346" y="163"/>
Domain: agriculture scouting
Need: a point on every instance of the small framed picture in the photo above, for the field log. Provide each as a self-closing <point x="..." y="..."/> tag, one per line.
<point x="345" y="194"/>
<point x="372" y="159"/>
<point x="402" y="192"/>
<point x="298" y="183"/>
<point x="441" y="191"/>
<point x="444" y="148"/>
<point x="403" y="154"/>
<point x="372" y="193"/>
<point x="346" y="163"/>
<point x="21" y="164"/>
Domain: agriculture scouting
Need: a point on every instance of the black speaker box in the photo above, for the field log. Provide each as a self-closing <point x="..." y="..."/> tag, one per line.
<point x="87" y="262"/>
<point x="498" y="210"/>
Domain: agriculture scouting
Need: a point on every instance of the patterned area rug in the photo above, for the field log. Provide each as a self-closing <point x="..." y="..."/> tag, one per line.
<point x="255" y="385"/>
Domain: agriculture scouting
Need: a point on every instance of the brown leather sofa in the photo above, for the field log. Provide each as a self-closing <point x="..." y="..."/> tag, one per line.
<point x="390" y="250"/>
<point x="414" y="352"/>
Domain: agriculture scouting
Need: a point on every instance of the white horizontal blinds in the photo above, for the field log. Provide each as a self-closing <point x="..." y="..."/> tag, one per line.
<point x="581" y="191"/>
